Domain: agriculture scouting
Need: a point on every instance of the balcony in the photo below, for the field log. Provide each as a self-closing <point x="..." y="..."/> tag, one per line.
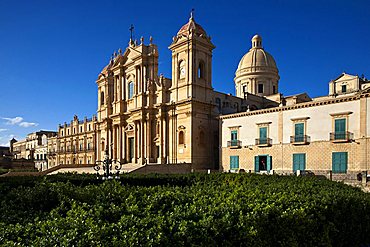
<point x="234" y="144"/>
<point x="341" y="136"/>
<point x="263" y="142"/>
<point x="300" y="140"/>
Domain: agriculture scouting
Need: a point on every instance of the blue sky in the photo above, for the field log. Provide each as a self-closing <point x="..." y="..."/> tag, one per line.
<point x="52" y="51"/>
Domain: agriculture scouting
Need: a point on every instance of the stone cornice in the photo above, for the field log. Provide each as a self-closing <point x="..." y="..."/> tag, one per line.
<point x="298" y="106"/>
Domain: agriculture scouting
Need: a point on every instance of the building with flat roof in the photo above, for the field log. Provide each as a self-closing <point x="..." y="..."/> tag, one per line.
<point x="324" y="134"/>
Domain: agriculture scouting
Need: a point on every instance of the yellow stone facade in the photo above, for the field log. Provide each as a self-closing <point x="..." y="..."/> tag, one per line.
<point x="145" y="118"/>
<point x="75" y="143"/>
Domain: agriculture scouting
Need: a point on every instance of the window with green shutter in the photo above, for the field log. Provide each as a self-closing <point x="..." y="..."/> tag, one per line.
<point x="234" y="162"/>
<point x="299" y="132"/>
<point x="340" y="129"/>
<point x="299" y="162"/>
<point x="234" y="137"/>
<point x="339" y="162"/>
<point x="263" y="135"/>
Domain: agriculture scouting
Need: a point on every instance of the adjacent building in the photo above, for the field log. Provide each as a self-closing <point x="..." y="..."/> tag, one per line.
<point x="324" y="134"/>
<point x="34" y="147"/>
<point x="75" y="143"/>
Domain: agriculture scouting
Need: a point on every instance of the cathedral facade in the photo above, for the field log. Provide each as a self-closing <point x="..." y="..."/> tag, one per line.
<point x="145" y="118"/>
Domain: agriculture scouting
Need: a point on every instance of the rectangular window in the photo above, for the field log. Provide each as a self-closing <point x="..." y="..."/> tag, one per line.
<point x="234" y="162"/>
<point x="299" y="162"/>
<point x="299" y="132"/>
<point x="340" y="129"/>
<point x="263" y="135"/>
<point x="260" y="88"/>
<point x="234" y="135"/>
<point x="234" y="138"/>
<point x="339" y="162"/>
<point x="130" y="90"/>
<point x="344" y="88"/>
<point x="263" y="163"/>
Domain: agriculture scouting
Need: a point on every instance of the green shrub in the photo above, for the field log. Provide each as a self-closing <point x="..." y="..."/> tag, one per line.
<point x="193" y="209"/>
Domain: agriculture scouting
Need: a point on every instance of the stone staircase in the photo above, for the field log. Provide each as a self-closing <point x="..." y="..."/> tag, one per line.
<point x="126" y="168"/>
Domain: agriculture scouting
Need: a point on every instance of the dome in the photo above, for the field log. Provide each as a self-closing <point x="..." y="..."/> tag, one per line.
<point x="193" y="26"/>
<point x="257" y="59"/>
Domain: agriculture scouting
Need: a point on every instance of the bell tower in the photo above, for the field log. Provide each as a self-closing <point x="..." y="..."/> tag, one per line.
<point x="191" y="63"/>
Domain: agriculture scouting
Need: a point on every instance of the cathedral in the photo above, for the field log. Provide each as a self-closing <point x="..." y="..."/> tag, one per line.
<point x="144" y="118"/>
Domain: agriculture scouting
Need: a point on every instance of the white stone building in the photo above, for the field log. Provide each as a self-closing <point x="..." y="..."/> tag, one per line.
<point x="324" y="134"/>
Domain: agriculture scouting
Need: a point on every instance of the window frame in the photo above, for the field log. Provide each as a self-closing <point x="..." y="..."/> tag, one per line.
<point x="260" y="86"/>
<point x="342" y="166"/>
<point x="301" y="156"/>
<point x="234" y="162"/>
<point x="130" y="90"/>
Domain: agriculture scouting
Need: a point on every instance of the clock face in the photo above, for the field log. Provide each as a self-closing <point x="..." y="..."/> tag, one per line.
<point x="182" y="72"/>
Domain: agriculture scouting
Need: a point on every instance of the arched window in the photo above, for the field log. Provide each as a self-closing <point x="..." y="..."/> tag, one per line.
<point x="181" y="137"/>
<point x="201" y="70"/>
<point x="102" y="98"/>
<point x="182" y="70"/>
<point x="130" y="89"/>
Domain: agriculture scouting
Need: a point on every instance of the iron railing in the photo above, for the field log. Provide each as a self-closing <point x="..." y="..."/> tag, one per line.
<point x="234" y="143"/>
<point x="341" y="136"/>
<point x="300" y="139"/>
<point x="263" y="141"/>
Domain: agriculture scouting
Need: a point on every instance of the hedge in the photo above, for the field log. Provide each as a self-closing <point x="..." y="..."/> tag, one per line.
<point x="182" y="210"/>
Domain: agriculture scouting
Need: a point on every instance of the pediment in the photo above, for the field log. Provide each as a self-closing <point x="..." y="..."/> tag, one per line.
<point x="345" y="77"/>
<point x="129" y="127"/>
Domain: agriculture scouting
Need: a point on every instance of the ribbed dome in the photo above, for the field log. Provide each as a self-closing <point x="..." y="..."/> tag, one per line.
<point x="257" y="58"/>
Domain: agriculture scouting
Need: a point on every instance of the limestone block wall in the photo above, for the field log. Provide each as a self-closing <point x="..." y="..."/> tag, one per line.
<point x="318" y="156"/>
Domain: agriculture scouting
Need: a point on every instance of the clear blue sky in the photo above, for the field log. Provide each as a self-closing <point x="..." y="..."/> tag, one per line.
<point x="52" y="51"/>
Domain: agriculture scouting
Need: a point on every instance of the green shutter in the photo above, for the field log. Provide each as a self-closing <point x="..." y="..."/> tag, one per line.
<point x="256" y="164"/>
<point x="234" y="135"/>
<point x="344" y="162"/>
<point x="299" y="132"/>
<point x="234" y="162"/>
<point x="299" y="129"/>
<point x="269" y="163"/>
<point x="339" y="162"/>
<point x="340" y="125"/>
<point x="263" y="133"/>
<point x="299" y="162"/>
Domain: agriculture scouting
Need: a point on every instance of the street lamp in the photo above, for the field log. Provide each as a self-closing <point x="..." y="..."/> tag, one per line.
<point x="107" y="166"/>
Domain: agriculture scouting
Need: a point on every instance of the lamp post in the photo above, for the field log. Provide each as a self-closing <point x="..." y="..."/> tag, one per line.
<point x="107" y="166"/>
